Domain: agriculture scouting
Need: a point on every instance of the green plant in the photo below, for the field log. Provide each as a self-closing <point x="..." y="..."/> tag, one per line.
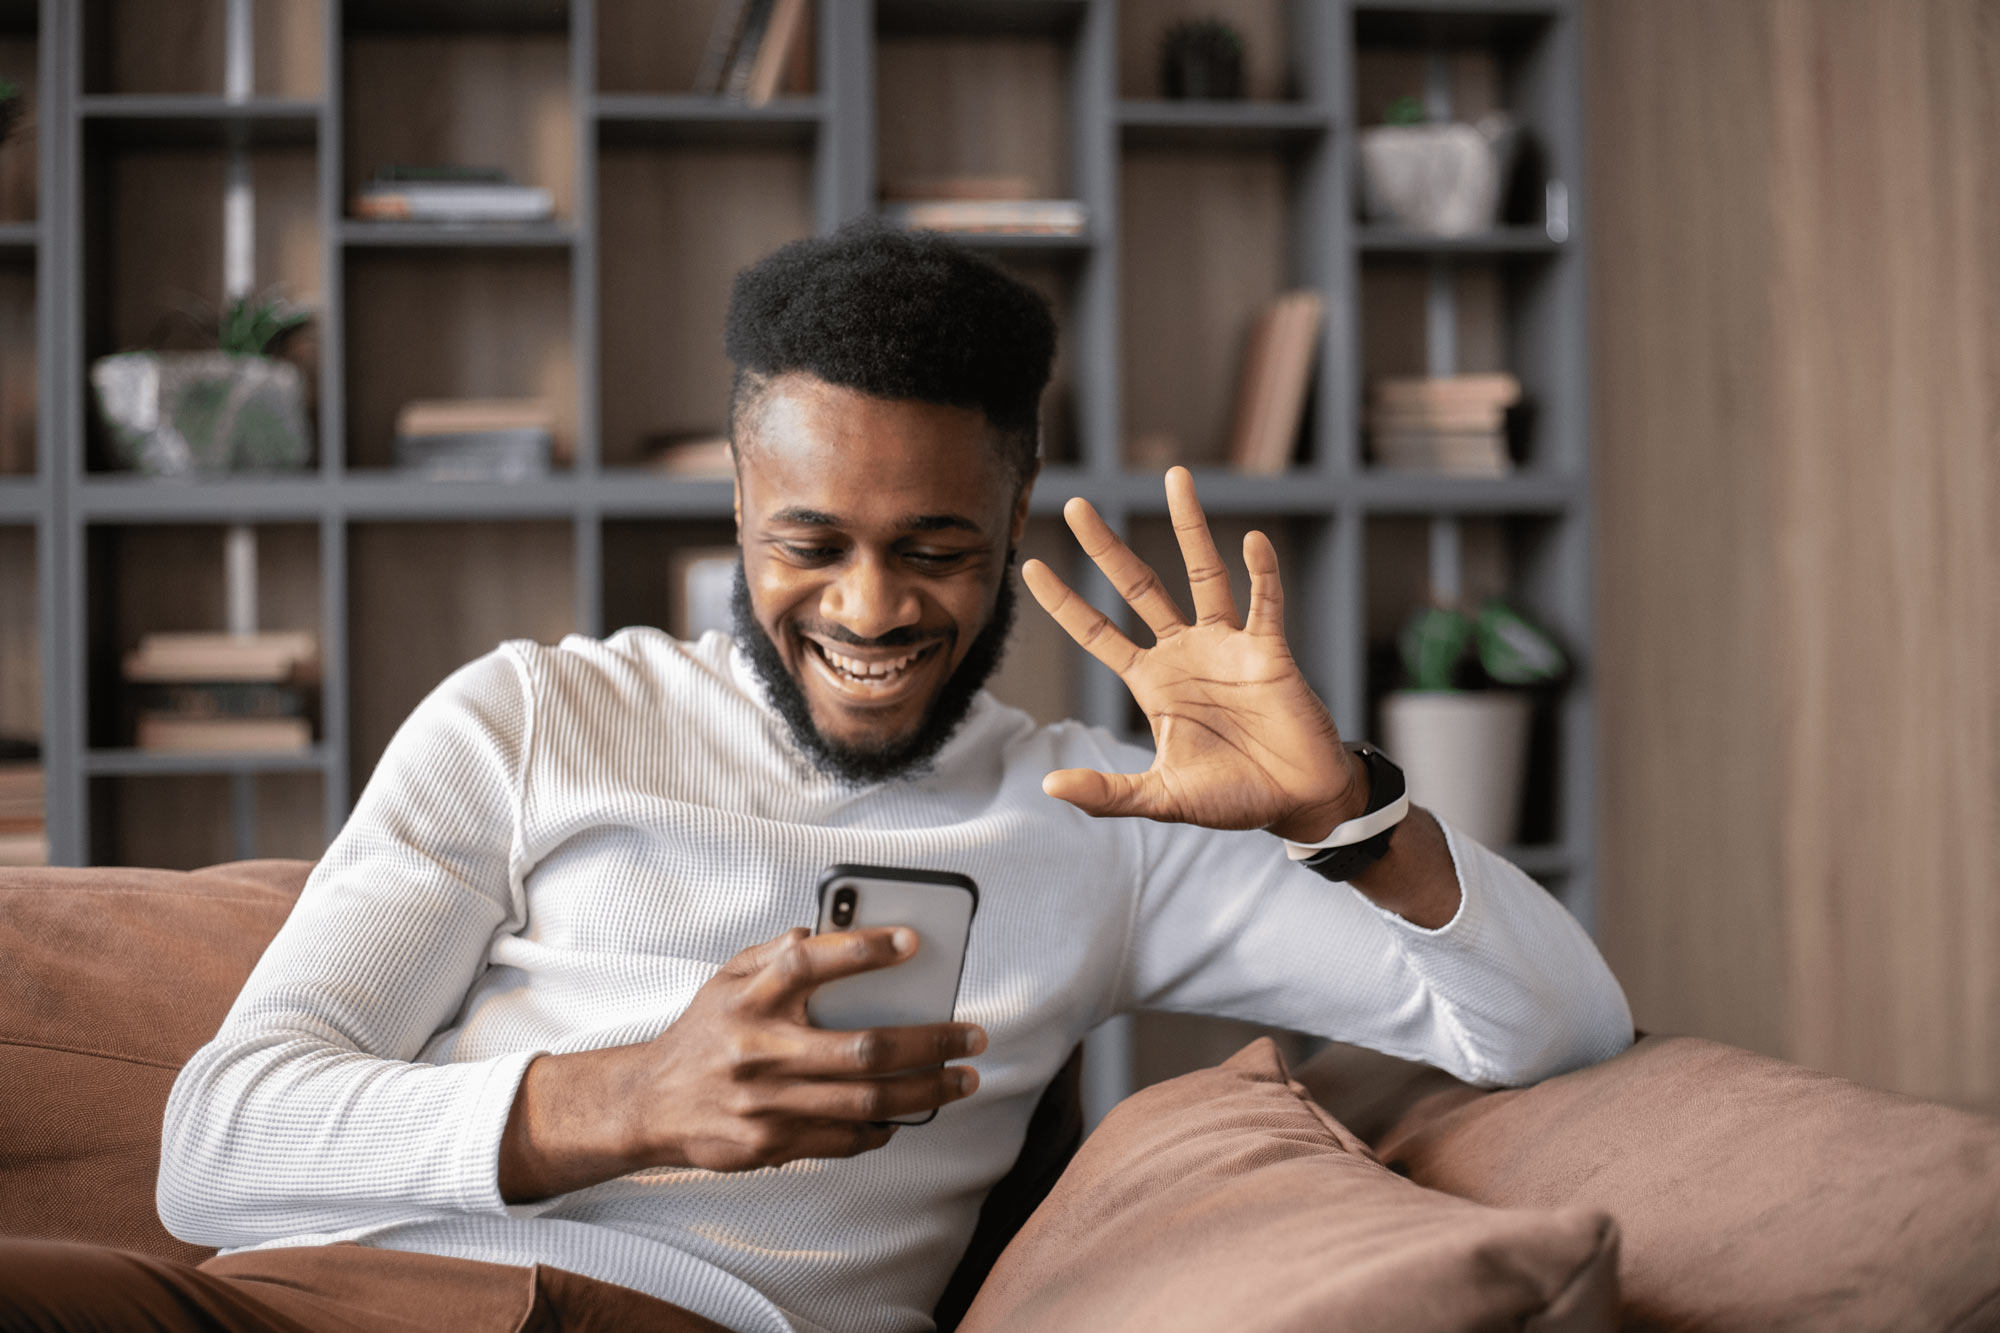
<point x="1406" y="111"/>
<point x="1440" y="643"/>
<point x="13" y="100"/>
<point x="253" y="325"/>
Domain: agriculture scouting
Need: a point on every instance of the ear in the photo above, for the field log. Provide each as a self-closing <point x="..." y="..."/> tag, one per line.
<point x="1020" y="524"/>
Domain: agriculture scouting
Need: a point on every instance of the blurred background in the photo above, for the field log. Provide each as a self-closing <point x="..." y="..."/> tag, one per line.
<point x="1617" y="379"/>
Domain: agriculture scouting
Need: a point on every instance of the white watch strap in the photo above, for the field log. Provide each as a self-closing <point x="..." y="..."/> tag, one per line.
<point x="1354" y="830"/>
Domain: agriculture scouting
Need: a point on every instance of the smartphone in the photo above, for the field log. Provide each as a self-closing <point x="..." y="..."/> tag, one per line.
<point x="923" y="988"/>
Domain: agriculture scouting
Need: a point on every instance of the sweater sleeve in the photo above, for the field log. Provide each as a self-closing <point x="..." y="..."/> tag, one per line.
<point x="311" y="1112"/>
<point x="1509" y="991"/>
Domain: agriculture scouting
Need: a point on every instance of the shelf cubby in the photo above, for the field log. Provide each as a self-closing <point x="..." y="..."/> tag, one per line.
<point x="183" y="819"/>
<point x="644" y="47"/>
<point x="20" y="633"/>
<point x="20" y="364"/>
<point x="481" y="322"/>
<point x="643" y="567"/>
<point x="675" y="223"/>
<point x="149" y="578"/>
<point x="177" y="48"/>
<point x="424" y="598"/>
<point x="1271" y="43"/>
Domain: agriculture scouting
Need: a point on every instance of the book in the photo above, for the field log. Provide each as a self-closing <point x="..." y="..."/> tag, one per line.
<point x="756" y="18"/>
<point x="24" y="849"/>
<point x="1274" y="382"/>
<point x="1039" y="217"/>
<point x="167" y="731"/>
<point x="1419" y="391"/>
<point x="450" y="194"/>
<point x="1455" y="453"/>
<point x="692" y="456"/>
<point x="222" y="699"/>
<point x="515" y="454"/>
<point x="774" y="55"/>
<point x="274" y="656"/>
<point x="722" y="35"/>
<point x="454" y="416"/>
<point x="703" y="578"/>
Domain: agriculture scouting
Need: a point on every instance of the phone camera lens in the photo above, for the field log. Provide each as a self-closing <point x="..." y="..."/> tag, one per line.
<point x="843" y="906"/>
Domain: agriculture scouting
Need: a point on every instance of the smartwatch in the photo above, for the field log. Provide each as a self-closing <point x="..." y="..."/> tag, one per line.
<point x="1362" y="841"/>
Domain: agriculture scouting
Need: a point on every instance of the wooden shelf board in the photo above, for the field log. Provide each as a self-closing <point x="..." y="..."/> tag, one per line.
<point x="558" y="235"/>
<point x="131" y="763"/>
<point x="627" y="118"/>
<point x="1522" y="240"/>
<point x="1175" y="124"/>
<point x="199" y="118"/>
<point x="382" y="493"/>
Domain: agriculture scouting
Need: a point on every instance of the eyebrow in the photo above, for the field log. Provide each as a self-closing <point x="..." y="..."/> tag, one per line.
<point x="819" y="518"/>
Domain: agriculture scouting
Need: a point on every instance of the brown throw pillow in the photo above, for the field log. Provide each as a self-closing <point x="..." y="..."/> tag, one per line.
<point x="1227" y="1199"/>
<point x="113" y="978"/>
<point x="1751" y="1193"/>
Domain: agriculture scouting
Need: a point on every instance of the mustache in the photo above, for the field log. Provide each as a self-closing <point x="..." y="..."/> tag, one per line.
<point x="907" y="637"/>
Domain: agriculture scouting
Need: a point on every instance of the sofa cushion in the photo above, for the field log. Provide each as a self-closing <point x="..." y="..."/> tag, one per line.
<point x="113" y="979"/>
<point x="1227" y="1199"/>
<point x="1751" y="1193"/>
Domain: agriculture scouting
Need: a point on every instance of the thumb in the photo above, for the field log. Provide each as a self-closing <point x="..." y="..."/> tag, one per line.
<point x="1100" y="794"/>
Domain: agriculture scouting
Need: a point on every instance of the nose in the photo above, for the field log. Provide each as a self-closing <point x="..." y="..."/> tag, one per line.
<point x="869" y="600"/>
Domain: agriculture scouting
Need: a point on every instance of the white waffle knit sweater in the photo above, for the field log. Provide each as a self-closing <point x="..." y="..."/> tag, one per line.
<point x="562" y="844"/>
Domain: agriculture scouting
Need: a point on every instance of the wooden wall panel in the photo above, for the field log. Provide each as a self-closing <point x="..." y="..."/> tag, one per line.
<point x="1794" y="298"/>
<point x="20" y="638"/>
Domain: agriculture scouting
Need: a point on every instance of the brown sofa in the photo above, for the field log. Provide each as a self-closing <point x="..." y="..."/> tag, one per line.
<point x="1681" y="1185"/>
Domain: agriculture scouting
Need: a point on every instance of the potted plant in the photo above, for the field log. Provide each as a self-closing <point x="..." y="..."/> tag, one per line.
<point x="1443" y="178"/>
<point x="237" y="408"/>
<point x="1201" y="58"/>
<point x="13" y="105"/>
<point x="1460" y="729"/>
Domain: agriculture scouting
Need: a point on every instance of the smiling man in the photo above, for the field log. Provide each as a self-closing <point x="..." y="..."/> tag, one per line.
<point x="541" y="1008"/>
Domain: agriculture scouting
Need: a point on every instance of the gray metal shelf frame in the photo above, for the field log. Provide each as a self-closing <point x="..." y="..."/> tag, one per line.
<point x="1332" y="497"/>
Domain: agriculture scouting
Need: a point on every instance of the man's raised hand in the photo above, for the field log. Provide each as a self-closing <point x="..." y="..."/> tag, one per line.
<point x="1241" y="741"/>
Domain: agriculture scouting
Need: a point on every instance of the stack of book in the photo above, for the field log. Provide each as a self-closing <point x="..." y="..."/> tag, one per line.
<point x="450" y="194"/>
<point x="224" y="692"/>
<point x="24" y="839"/>
<point x="1277" y="376"/>
<point x="1454" y="424"/>
<point x="991" y="217"/>
<point x="750" y="46"/>
<point x="476" y="439"/>
<point x="697" y="455"/>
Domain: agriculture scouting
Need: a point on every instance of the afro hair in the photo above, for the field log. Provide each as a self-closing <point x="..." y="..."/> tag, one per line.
<point x="896" y="314"/>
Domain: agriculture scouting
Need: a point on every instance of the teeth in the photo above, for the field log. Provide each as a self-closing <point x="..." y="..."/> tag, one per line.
<point x="860" y="670"/>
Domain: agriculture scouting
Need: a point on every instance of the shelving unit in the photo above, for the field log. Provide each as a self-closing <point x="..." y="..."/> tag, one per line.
<point x="1199" y="212"/>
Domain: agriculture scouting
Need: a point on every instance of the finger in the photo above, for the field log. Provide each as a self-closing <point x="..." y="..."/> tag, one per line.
<point x="754" y="958"/>
<point x="836" y="1138"/>
<point x="1132" y="577"/>
<point x="814" y="1053"/>
<point x="1267" y="595"/>
<point x="1208" y="577"/>
<point x="797" y="963"/>
<point x="876" y="1098"/>
<point x="1090" y="627"/>
<point x="1102" y="794"/>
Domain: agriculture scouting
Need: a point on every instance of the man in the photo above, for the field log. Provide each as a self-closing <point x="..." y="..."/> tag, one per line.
<point x="543" y="1002"/>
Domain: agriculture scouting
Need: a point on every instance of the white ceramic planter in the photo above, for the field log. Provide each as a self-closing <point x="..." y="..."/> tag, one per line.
<point x="182" y="413"/>
<point x="1464" y="755"/>
<point x="1442" y="180"/>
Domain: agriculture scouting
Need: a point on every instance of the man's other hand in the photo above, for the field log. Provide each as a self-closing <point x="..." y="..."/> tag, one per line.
<point x="740" y="1080"/>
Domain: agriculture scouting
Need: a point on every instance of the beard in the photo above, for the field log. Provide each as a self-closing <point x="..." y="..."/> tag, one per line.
<point x="904" y="756"/>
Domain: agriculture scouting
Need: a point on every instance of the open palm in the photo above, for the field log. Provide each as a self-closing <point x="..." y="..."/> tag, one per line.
<point x="1241" y="741"/>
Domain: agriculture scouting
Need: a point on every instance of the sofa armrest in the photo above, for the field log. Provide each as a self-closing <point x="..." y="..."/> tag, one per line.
<point x="113" y="978"/>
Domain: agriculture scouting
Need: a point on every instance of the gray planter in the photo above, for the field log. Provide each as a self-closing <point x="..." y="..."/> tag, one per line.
<point x="174" y="414"/>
